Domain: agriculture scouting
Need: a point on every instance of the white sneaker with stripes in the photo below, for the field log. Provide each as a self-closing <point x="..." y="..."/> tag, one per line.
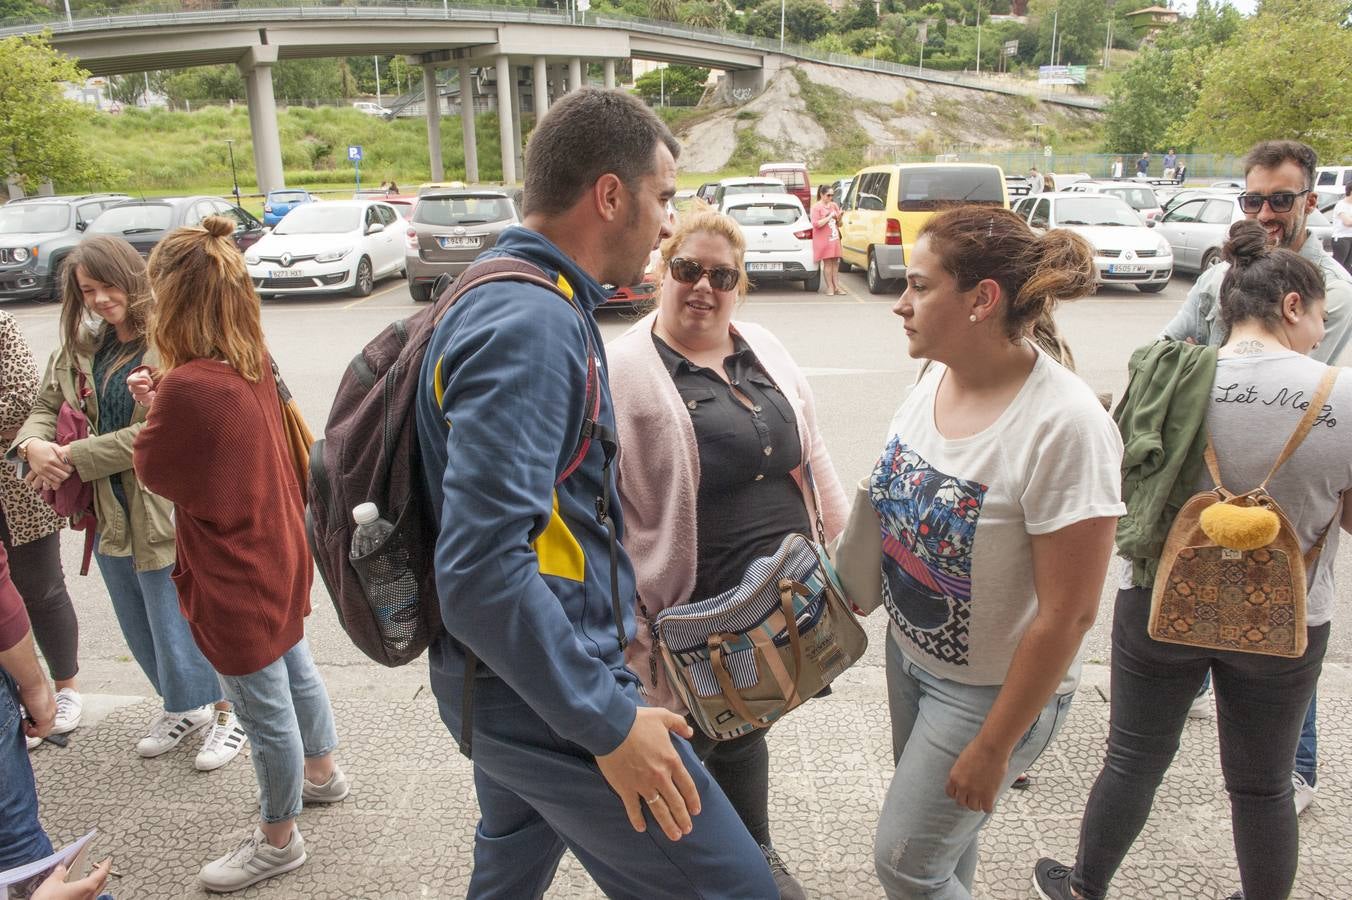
<point x="170" y="728"/>
<point x="225" y="738"/>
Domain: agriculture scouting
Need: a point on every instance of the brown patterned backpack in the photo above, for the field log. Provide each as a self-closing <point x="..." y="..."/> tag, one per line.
<point x="1231" y="575"/>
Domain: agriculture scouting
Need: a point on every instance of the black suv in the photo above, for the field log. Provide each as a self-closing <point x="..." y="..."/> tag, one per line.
<point x="36" y="233"/>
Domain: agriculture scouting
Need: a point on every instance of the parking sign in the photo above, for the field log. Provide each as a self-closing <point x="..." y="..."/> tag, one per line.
<point x="354" y="153"/>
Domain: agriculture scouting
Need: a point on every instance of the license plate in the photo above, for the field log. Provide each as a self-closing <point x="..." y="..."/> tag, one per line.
<point x="285" y="273"/>
<point x="1126" y="269"/>
<point x="458" y="243"/>
<point x="764" y="267"/>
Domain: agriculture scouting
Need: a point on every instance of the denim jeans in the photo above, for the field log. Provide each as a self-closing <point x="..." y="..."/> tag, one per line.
<point x="741" y="767"/>
<point x="1261" y="702"/>
<point x="22" y="839"/>
<point x="146" y="605"/>
<point x="284" y="709"/>
<point x="926" y="844"/>
<point x="1307" y="749"/>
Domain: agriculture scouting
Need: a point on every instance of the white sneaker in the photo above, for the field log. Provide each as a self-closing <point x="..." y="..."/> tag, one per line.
<point x="331" y="791"/>
<point x="170" y="728"/>
<point x="225" y="738"/>
<point x="69" y="706"/>
<point x="1201" y="706"/>
<point x="33" y="743"/>
<point x="251" y="862"/>
<point x="1304" y="792"/>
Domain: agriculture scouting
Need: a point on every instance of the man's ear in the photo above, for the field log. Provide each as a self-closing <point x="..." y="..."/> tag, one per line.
<point x="608" y="196"/>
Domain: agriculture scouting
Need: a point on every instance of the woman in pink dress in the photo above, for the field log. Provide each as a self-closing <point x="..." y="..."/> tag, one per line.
<point x="825" y="218"/>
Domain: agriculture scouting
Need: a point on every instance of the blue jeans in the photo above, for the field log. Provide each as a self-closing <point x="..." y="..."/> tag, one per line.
<point x="284" y="709"/>
<point x="926" y="844"/>
<point x="146" y="605"/>
<point x="22" y="839"/>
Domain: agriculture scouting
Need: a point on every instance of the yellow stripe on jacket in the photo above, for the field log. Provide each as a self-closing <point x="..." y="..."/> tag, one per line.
<point x="558" y="551"/>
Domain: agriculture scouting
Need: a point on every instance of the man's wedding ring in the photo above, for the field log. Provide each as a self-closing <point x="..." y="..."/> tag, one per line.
<point x="654" y="799"/>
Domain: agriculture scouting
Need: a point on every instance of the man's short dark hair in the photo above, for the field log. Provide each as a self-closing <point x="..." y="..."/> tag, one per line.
<point x="1271" y="154"/>
<point x="587" y="134"/>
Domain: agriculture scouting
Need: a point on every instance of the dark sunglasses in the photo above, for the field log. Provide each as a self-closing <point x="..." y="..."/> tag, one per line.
<point x="688" y="271"/>
<point x="1280" y="202"/>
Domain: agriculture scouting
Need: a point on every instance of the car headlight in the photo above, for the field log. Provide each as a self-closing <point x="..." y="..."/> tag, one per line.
<point x="19" y="254"/>
<point x="1164" y="249"/>
<point x="251" y="259"/>
<point x="329" y="256"/>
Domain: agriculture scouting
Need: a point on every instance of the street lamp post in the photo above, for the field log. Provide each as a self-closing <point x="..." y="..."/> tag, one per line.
<point x="781" y="26"/>
<point x="978" y="37"/>
<point x="230" y="145"/>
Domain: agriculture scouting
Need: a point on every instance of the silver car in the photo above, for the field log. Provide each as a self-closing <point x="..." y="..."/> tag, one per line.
<point x="1125" y="251"/>
<point x="1198" y="226"/>
<point x="448" y="229"/>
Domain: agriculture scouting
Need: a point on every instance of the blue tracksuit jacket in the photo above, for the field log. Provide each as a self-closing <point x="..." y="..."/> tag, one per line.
<point x="523" y="569"/>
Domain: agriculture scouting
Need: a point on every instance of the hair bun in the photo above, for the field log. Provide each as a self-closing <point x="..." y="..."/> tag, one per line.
<point x="218" y="226"/>
<point x="1247" y="242"/>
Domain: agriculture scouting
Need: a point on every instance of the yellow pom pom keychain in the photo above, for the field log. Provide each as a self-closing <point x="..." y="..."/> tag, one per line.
<point x="1240" y="527"/>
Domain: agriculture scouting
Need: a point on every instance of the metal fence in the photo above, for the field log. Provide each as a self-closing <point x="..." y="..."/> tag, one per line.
<point x="1098" y="165"/>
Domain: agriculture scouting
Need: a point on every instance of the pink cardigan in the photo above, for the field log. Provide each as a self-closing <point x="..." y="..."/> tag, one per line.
<point x="659" y="475"/>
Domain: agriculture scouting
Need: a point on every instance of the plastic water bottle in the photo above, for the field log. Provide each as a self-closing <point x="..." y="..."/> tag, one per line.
<point x="391" y="585"/>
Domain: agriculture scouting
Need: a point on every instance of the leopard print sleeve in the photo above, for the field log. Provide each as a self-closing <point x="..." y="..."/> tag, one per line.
<point x="18" y="375"/>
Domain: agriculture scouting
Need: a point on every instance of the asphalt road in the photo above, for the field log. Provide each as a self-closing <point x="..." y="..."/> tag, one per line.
<point x="852" y="349"/>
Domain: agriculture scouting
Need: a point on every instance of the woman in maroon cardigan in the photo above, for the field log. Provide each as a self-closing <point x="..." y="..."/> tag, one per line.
<point x="214" y="444"/>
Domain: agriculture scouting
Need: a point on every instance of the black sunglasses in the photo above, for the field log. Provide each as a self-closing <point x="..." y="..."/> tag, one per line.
<point x="689" y="271"/>
<point x="1281" y="202"/>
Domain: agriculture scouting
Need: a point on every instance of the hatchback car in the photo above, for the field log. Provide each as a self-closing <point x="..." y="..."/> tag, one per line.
<point x="731" y="187"/>
<point x="1138" y="196"/>
<point x="1198" y="227"/>
<point x="144" y="223"/>
<point x="449" y="229"/>
<point x="344" y="246"/>
<point x="1125" y="250"/>
<point x="279" y="203"/>
<point x="36" y="234"/>
<point x="778" y="238"/>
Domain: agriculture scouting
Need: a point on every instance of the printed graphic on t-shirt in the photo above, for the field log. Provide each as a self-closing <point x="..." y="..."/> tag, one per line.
<point x="929" y="523"/>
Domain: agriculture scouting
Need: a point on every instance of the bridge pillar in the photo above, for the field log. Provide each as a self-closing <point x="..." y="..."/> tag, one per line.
<point x="467" y="123"/>
<point x="256" y="66"/>
<point x="517" y="142"/>
<point x="432" y="102"/>
<point x="610" y="74"/>
<point x="540" y="81"/>
<point x="574" y="74"/>
<point x="505" y="127"/>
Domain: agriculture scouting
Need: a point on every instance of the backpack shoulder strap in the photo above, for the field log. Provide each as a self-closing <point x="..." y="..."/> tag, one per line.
<point x="499" y="268"/>
<point x="1321" y="396"/>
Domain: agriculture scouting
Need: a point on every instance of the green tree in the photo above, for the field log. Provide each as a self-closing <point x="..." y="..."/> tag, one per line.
<point x="856" y="15"/>
<point x="42" y="132"/>
<point x="804" y="20"/>
<point x="1283" y="75"/>
<point x="677" y="84"/>
<point x="665" y="10"/>
<point x="22" y="9"/>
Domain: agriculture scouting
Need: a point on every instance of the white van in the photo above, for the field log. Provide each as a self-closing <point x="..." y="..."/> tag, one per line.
<point x="1332" y="176"/>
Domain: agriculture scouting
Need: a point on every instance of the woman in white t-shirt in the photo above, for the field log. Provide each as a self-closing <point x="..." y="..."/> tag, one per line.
<point x="998" y="492"/>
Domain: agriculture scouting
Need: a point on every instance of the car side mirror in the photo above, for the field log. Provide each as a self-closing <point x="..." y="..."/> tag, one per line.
<point x="81" y="225"/>
<point x="1149" y="223"/>
<point x="375" y="228"/>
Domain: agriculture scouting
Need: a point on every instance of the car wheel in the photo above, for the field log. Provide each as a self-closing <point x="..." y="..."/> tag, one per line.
<point x="365" y="281"/>
<point x="877" y="284"/>
<point x="813" y="283"/>
<point x="420" y="292"/>
<point x="1152" y="288"/>
<point x="1210" y="258"/>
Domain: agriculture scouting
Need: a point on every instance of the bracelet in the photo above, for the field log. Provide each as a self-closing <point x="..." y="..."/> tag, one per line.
<point x="22" y="449"/>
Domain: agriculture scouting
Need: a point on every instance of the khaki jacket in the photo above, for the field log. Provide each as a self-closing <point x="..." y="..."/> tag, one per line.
<point x="149" y="535"/>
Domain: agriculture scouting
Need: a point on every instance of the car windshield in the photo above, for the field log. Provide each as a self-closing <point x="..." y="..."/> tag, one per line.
<point x="140" y="218"/>
<point x="765" y="214"/>
<point x="934" y="187"/>
<point x="287" y="197"/>
<point x="462" y="210"/>
<point x="1094" y="210"/>
<point x="320" y="218"/>
<point x="760" y="187"/>
<point x="1136" y="198"/>
<point x="33" y="218"/>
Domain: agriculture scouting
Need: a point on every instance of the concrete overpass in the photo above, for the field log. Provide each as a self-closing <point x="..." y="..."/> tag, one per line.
<point x="547" y="49"/>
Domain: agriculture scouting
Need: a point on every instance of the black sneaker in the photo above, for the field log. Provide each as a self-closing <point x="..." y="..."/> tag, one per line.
<point x="789" y="887"/>
<point x="1051" y="880"/>
<point x="1237" y="895"/>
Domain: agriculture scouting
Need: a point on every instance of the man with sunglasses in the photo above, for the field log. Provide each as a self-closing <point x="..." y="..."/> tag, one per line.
<point x="1278" y="194"/>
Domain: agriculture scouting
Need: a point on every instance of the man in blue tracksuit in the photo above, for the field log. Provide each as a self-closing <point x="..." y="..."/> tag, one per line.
<point x="565" y="753"/>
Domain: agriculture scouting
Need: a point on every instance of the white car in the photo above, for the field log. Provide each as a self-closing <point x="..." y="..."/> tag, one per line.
<point x="338" y="247"/>
<point x="371" y="109"/>
<point x="1125" y="250"/>
<point x="778" y="238"/>
<point x="732" y="187"/>
<point x="1138" y="196"/>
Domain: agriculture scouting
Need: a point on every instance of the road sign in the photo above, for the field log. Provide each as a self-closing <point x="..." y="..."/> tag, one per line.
<point x="1011" y="48"/>
<point x="1047" y="151"/>
<point x="583" y="5"/>
<point x="922" y="33"/>
<point x="354" y="153"/>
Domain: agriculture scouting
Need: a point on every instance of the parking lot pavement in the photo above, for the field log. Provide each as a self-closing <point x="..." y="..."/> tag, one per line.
<point x="406" y="831"/>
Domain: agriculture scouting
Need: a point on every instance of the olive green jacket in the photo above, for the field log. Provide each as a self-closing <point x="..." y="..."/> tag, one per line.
<point x="148" y="534"/>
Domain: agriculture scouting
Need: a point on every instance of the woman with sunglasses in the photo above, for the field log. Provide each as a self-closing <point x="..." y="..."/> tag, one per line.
<point x="825" y="218"/>
<point x="718" y="429"/>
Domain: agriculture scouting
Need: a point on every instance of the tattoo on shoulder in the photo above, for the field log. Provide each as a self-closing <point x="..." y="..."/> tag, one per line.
<point x="1249" y="348"/>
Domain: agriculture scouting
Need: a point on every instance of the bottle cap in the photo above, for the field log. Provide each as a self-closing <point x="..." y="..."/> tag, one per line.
<point x="365" y="513"/>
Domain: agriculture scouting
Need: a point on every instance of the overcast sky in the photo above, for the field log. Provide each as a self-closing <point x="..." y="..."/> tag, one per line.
<point x="1244" y="6"/>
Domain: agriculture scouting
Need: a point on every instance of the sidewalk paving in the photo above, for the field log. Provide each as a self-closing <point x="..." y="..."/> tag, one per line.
<point x="406" y="830"/>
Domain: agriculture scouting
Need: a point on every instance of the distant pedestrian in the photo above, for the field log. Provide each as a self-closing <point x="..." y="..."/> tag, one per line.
<point x="1341" y="214"/>
<point x="1034" y="180"/>
<point x="215" y="444"/>
<point x="1117" y="168"/>
<point x="566" y="753"/>
<point x="1170" y="163"/>
<point x="105" y="306"/>
<point x="825" y="217"/>
<point x="1143" y="165"/>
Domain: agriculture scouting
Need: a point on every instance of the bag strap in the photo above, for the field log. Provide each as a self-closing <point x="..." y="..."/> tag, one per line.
<point x="715" y="643"/>
<point x="1321" y="396"/>
<point x="816" y="503"/>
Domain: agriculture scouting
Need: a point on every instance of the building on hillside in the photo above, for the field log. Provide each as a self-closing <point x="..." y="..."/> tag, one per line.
<point x="1151" y="20"/>
<point x="1018" y="8"/>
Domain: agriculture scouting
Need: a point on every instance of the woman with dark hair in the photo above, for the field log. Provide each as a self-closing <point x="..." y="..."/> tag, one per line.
<point x="105" y="303"/>
<point x="997" y="494"/>
<point x="1272" y="302"/>
<point x="243" y="578"/>
<point x="825" y="218"/>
